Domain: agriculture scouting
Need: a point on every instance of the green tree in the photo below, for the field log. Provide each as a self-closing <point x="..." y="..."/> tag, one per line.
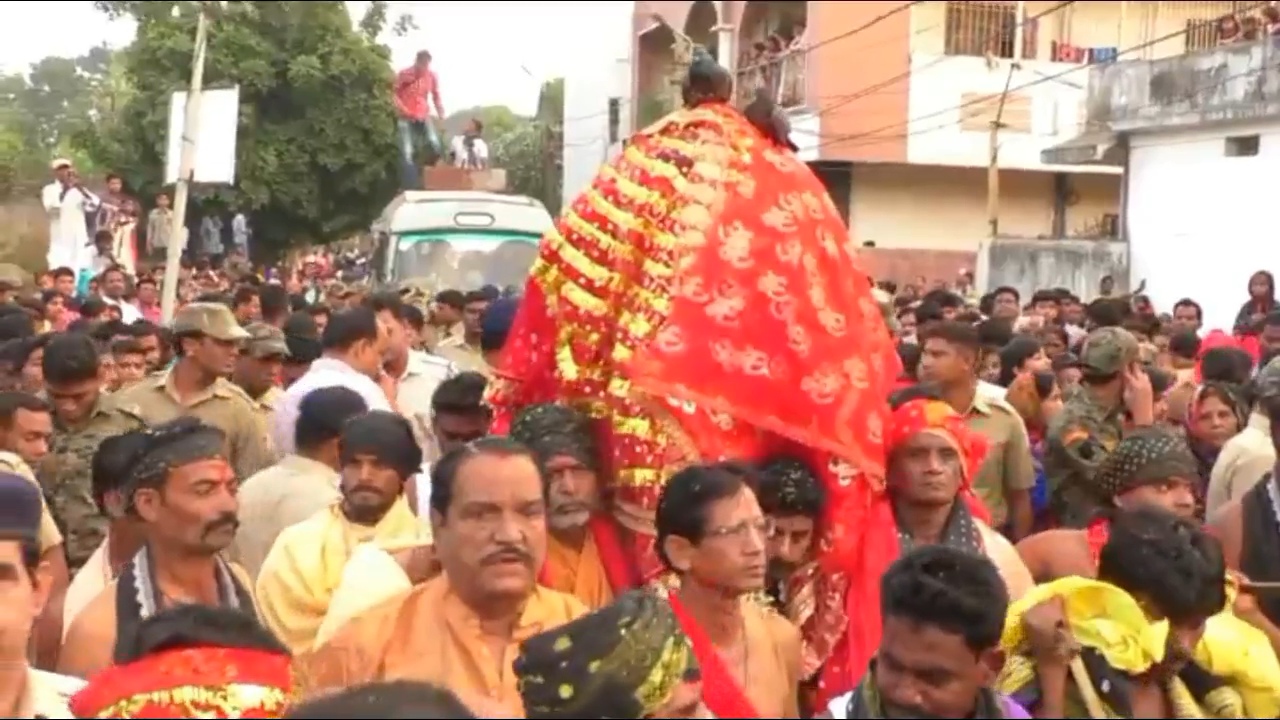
<point x="316" y="153"/>
<point x="531" y="151"/>
<point x="42" y="112"/>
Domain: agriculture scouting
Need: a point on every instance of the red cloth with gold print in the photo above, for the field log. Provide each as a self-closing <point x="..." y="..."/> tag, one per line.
<point x="205" y="682"/>
<point x="701" y="300"/>
<point x="870" y="511"/>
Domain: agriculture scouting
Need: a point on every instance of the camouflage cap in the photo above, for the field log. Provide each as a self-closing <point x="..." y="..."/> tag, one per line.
<point x="1108" y="350"/>
<point x="265" y="341"/>
<point x="207" y="318"/>
<point x="1266" y="383"/>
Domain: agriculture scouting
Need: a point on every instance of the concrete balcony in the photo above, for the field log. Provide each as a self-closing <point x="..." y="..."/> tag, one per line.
<point x="1223" y="84"/>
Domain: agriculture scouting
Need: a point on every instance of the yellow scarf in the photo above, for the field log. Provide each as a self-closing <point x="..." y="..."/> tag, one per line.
<point x="305" y="567"/>
<point x="1107" y="619"/>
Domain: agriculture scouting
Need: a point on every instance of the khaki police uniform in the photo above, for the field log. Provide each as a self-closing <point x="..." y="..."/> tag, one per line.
<point x="223" y="404"/>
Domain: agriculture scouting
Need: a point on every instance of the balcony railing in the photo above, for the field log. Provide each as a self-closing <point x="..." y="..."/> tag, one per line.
<point x="1088" y="32"/>
<point x="779" y="69"/>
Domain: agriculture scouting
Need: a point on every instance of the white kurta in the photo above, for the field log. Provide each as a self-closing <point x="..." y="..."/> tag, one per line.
<point x="69" y="244"/>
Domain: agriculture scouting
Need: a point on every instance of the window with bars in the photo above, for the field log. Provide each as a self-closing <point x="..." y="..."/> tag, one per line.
<point x="987" y="28"/>
<point x="980" y="28"/>
<point x="1201" y="34"/>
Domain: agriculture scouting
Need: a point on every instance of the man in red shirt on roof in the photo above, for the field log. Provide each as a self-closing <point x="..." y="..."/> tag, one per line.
<point x="413" y="86"/>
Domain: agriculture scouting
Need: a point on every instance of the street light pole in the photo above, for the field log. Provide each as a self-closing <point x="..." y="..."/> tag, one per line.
<point x="186" y="170"/>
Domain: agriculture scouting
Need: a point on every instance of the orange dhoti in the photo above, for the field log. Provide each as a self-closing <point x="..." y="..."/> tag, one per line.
<point x="701" y="300"/>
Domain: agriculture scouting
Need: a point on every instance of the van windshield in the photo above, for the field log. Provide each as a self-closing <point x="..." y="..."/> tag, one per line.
<point x="464" y="259"/>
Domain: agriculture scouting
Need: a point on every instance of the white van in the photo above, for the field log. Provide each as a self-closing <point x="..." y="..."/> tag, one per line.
<point x="440" y="239"/>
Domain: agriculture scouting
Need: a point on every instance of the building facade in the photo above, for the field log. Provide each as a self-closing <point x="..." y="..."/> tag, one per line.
<point x="598" y="98"/>
<point x="1199" y="139"/>
<point x="894" y="104"/>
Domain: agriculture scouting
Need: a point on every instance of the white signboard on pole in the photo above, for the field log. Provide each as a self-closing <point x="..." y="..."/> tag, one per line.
<point x="216" y="138"/>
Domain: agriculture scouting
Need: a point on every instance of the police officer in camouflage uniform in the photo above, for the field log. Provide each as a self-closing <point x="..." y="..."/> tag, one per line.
<point x="208" y="340"/>
<point x="83" y="416"/>
<point x="1115" y="395"/>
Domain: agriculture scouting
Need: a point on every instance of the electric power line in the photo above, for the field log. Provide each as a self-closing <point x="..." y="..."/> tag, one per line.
<point x="874" y="136"/>
<point x="875" y="87"/>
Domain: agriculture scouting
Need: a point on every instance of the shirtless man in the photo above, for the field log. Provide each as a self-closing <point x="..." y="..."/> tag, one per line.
<point x="182" y="488"/>
<point x="1153" y="467"/>
<point x="711" y="535"/>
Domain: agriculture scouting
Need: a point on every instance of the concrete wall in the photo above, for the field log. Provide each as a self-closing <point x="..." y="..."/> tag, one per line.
<point x="604" y="73"/>
<point x="887" y="200"/>
<point x="1197" y="216"/>
<point x="1231" y="83"/>
<point x="1031" y="265"/>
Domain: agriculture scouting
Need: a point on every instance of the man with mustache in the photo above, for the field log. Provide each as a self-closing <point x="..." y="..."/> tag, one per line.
<point x="711" y="534"/>
<point x="181" y="487"/>
<point x="586" y="554"/>
<point x="927" y="498"/>
<point x="462" y="628"/>
<point x="378" y="454"/>
<point x="1152" y="467"/>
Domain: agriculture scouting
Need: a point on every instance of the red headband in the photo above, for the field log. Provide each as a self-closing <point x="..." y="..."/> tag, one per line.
<point x="927" y="415"/>
<point x="210" y="682"/>
<point x="879" y="545"/>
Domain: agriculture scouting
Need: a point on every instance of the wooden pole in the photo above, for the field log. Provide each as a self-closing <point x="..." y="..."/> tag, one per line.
<point x="993" y="159"/>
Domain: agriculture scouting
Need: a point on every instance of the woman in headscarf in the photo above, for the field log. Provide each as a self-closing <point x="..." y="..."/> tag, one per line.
<point x="1214" y="415"/>
<point x="1262" y="300"/>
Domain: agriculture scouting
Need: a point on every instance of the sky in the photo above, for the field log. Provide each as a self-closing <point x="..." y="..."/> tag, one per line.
<point x="486" y="53"/>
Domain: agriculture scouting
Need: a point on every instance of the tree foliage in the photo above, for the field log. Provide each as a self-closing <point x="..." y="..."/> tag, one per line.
<point x="41" y="112"/>
<point x="316" y="151"/>
<point x="532" y="149"/>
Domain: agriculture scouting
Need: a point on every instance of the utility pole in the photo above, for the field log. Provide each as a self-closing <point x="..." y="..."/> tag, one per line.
<point x="993" y="159"/>
<point x="186" y="170"/>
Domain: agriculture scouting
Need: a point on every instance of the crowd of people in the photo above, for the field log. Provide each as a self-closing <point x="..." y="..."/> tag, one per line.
<point x="1250" y="27"/>
<point x="775" y="65"/>
<point x="699" y="467"/>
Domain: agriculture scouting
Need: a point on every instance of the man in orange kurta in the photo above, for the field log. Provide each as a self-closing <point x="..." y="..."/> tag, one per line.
<point x="463" y="628"/>
<point x="586" y="556"/>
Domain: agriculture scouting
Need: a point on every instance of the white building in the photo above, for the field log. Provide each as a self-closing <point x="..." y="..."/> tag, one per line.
<point x="597" y="98"/>
<point x="1199" y="136"/>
